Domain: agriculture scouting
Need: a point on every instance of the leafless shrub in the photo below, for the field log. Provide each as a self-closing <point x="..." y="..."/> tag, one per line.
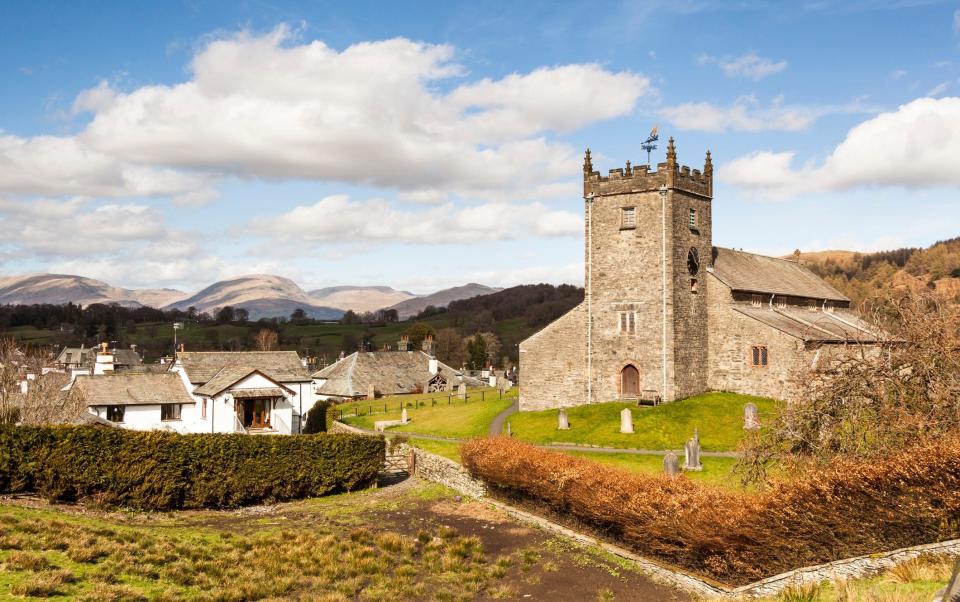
<point x="29" y="396"/>
<point x="871" y="400"/>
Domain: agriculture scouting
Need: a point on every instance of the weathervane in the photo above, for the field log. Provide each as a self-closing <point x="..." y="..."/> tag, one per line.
<point x="649" y="145"/>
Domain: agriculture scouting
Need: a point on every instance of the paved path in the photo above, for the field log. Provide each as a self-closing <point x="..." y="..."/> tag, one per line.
<point x="496" y="427"/>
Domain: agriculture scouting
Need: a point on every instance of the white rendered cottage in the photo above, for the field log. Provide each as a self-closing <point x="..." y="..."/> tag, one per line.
<point x="139" y="401"/>
<point x="247" y="391"/>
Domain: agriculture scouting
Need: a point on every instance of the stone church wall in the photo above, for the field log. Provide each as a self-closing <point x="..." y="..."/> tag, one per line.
<point x="732" y="335"/>
<point x="553" y="363"/>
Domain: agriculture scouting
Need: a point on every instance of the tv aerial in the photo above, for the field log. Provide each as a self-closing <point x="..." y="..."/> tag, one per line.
<point x="649" y="144"/>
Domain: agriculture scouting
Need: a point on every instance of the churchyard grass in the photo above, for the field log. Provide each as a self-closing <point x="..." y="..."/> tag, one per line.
<point x="447" y="449"/>
<point x="716" y="471"/>
<point x="458" y="420"/>
<point x="718" y="416"/>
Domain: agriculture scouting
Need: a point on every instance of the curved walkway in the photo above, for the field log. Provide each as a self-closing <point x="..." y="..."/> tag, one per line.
<point x="496" y="427"/>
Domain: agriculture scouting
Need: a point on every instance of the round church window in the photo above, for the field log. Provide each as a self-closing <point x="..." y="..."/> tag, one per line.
<point x="693" y="261"/>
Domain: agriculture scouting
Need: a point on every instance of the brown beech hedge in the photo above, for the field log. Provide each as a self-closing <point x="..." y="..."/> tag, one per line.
<point x="844" y="509"/>
<point x="163" y="471"/>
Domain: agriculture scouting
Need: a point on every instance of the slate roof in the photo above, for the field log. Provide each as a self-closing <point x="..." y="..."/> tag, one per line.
<point x="814" y="326"/>
<point x="281" y="366"/>
<point x="390" y="373"/>
<point x="748" y="272"/>
<point x="88" y="355"/>
<point x="229" y="376"/>
<point x="122" y="388"/>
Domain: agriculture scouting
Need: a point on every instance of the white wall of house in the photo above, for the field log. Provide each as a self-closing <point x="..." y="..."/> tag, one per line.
<point x="147" y="418"/>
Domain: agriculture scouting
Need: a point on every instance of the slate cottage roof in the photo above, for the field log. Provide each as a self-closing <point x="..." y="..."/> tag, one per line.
<point x="87" y="356"/>
<point x="748" y="272"/>
<point x="281" y="366"/>
<point x="389" y="372"/>
<point x="231" y="375"/>
<point x="122" y="388"/>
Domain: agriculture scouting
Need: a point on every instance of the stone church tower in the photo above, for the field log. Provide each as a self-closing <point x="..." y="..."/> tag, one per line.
<point x="648" y="237"/>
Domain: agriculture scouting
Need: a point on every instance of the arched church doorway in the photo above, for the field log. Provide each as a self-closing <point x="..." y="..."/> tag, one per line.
<point x="629" y="382"/>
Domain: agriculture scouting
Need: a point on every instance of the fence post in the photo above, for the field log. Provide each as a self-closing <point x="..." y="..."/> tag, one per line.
<point x="482" y="393"/>
<point x="384" y="407"/>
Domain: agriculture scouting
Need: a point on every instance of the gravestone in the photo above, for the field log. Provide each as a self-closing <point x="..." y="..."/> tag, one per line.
<point x="751" y="417"/>
<point x="502" y="385"/>
<point x="626" y="421"/>
<point x="509" y="432"/>
<point x="462" y="391"/>
<point x="371" y="392"/>
<point x="562" y="423"/>
<point x="691" y="453"/>
<point x="403" y="416"/>
<point x="671" y="464"/>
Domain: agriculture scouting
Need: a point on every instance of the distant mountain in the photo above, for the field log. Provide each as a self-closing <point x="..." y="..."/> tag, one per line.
<point x="412" y="307"/>
<point x="359" y="298"/>
<point x="57" y="289"/>
<point x="263" y="295"/>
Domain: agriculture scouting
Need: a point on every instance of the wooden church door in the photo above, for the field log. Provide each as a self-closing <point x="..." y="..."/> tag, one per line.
<point x="630" y="382"/>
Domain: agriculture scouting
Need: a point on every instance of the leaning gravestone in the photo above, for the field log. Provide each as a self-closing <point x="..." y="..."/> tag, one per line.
<point x="462" y="391"/>
<point x="403" y="416"/>
<point x="671" y="464"/>
<point x="626" y="421"/>
<point x="751" y="417"/>
<point x="691" y="452"/>
<point x="562" y="423"/>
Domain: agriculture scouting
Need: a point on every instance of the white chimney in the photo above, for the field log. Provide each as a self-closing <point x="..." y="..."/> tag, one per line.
<point x="104" y="361"/>
<point x="434" y="366"/>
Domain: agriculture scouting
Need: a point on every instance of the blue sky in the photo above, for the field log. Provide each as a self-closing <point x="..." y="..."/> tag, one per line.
<point x="425" y="145"/>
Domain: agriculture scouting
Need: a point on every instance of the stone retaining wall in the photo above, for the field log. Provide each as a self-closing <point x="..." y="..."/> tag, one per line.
<point x="444" y="471"/>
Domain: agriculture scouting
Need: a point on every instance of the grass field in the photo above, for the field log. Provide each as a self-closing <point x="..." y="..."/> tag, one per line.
<point x="718" y="416"/>
<point x="459" y="420"/>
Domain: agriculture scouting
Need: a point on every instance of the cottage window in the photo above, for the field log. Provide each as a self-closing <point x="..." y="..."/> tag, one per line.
<point x="692" y="222"/>
<point x="758" y="355"/>
<point x="170" y="411"/>
<point x="628" y="218"/>
<point x="115" y="413"/>
<point x="627" y="322"/>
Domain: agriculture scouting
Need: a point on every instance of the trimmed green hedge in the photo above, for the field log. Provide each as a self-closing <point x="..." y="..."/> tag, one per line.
<point x="161" y="471"/>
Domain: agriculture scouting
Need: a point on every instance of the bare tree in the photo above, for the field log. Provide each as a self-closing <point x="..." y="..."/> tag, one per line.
<point x="29" y="396"/>
<point x="875" y="399"/>
<point x="266" y="340"/>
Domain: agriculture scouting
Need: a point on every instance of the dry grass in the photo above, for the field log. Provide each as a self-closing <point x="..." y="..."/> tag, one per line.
<point x="43" y="554"/>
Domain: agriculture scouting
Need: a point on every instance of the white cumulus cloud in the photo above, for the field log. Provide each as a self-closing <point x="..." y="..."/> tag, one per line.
<point x="338" y="219"/>
<point x="395" y="114"/>
<point x="916" y="146"/>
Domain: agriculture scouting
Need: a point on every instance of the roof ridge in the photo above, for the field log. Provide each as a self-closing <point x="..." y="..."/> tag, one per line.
<point x="761" y="255"/>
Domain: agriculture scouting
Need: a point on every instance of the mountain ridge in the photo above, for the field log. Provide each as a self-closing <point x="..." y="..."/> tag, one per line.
<point x="262" y="295"/>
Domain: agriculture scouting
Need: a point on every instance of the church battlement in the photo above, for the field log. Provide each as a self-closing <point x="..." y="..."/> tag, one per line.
<point x="629" y="179"/>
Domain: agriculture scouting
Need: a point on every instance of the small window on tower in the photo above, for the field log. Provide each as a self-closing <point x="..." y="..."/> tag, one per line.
<point x="693" y="219"/>
<point x="627" y="322"/>
<point x="694" y="286"/>
<point x="628" y="219"/>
